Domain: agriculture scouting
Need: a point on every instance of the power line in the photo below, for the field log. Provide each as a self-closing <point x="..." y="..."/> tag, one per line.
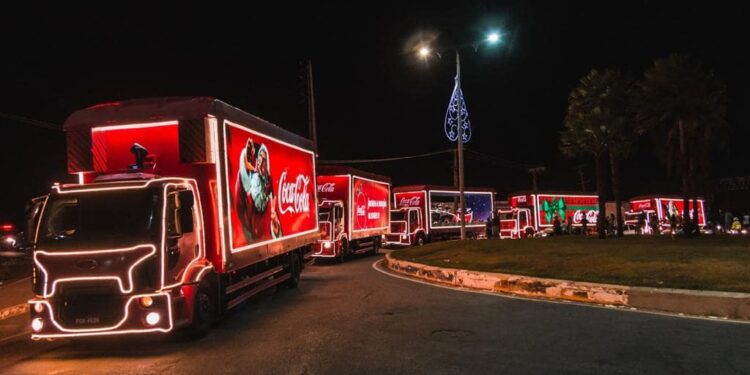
<point x="361" y="161"/>
<point x="498" y="161"/>
<point x="25" y="120"/>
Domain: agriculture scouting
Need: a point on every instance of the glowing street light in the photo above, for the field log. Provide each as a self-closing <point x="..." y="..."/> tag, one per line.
<point x="424" y="52"/>
<point x="457" y="127"/>
<point x="493" y="37"/>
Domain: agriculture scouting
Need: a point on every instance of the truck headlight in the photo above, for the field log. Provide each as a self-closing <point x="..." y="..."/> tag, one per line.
<point x="37" y="324"/>
<point x="38" y="307"/>
<point x="327" y="245"/>
<point x="153" y="318"/>
<point x="404" y="237"/>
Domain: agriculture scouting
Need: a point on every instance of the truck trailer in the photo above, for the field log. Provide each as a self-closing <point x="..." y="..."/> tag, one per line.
<point x="531" y="214"/>
<point x="353" y="211"/>
<point x="426" y="213"/>
<point x="183" y="208"/>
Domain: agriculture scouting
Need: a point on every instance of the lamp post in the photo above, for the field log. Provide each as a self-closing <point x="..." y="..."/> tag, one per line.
<point x="458" y="106"/>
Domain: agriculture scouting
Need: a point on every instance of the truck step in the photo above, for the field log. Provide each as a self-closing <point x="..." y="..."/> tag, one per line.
<point x="267" y="284"/>
<point x="252" y="280"/>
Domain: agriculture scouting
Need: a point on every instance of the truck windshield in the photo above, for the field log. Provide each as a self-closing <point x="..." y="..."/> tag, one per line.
<point x="98" y="220"/>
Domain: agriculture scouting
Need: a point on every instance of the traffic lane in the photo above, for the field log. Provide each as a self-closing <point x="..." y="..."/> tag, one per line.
<point x="14" y="265"/>
<point x="350" y="318"/>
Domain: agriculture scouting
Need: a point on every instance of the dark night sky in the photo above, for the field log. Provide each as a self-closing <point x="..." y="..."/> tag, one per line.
<point x="373" y="100"/>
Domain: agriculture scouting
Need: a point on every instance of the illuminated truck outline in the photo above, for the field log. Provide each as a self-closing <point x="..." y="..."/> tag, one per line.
<point x="654" y="207"/>
<point x="342" y="234"/>
<point x="189" y="271"/>
<point x="412" y="201"/>
<point x="523" y="218"/>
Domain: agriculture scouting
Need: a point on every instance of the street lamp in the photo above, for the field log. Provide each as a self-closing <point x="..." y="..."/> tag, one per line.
<point x="457" y="116"/>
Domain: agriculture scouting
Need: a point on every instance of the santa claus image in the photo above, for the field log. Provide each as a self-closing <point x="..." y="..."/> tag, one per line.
<point x="254" y="198"/>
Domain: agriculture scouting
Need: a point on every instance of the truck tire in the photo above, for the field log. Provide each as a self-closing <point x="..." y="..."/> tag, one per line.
<point x="295" y="270"/>
<point x="344" y="250"/>
<point x="375" y="246"/>
<point x="420" y="240"/>
<point x="204" y="310"/>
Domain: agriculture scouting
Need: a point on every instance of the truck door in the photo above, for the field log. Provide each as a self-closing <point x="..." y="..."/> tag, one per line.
<point x="413" y="220"/>
<point x="182" y="228"/>
<point x="338" y="220"/>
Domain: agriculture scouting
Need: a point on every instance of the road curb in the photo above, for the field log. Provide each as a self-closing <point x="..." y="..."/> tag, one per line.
<point x="726" y="305"/>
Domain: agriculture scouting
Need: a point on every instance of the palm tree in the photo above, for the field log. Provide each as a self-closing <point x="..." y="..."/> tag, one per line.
<point x="597" y="125"/>
<point x="684" y="105"/>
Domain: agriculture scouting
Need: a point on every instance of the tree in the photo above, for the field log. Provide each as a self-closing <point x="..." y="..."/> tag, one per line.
<point x="683" y="105"/>
<point x="598" y="124"/>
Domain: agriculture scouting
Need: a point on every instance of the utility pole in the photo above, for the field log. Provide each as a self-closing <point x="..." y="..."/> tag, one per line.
<point x="312" y="129"/>
<point x="460" y="140"/>
<point x="534" y="171"/>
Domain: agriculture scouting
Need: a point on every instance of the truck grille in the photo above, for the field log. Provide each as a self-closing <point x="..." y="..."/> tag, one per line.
<point x="82" y="307"/>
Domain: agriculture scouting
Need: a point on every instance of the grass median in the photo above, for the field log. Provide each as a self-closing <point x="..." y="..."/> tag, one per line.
<point x="706" y="263"/>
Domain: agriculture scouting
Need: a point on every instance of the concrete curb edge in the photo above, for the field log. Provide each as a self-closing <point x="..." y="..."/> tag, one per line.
<point x="728" y="305"/>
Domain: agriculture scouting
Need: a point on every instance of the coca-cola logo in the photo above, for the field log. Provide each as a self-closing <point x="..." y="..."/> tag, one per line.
<point x="411" y="201"/>
<point x="328" y="187"/>
<point x="293" y="195"/>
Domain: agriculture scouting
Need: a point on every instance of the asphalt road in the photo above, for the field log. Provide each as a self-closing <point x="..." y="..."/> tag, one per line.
<point x="352" y="319"/>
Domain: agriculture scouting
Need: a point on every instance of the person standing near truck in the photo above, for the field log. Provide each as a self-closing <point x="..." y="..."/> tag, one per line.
<point x="584" y="226"/>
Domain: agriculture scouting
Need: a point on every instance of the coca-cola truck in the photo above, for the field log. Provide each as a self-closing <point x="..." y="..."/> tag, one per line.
<point x="183" y="208"/>
<point x="426" y="213"/>
<point x="353" y="208"/>
<point x="660" y="208"/>
<point x="531" y="214"/>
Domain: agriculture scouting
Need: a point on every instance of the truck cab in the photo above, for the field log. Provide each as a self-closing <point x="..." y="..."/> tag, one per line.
<point x="332" y="230"/>
<point x="407" y="227"/>
<point x="516" y="223"/>
<point x="110" y="254"/>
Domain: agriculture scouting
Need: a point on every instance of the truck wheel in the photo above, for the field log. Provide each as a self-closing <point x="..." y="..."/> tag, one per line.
<point x="295" y="269"/>
<point x="420" y="240"/>
<point x="204" y="310"/>
<point x="375" y="247"/>
<point x="344" y="251"/>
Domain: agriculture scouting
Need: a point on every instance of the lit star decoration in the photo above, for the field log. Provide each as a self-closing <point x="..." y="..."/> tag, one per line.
<point x="457" y="106"/>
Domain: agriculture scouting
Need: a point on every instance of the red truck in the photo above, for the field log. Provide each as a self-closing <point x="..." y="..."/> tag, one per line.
<point x="183" y="209"/>
<point x="659" y="208"/>
<point x="531" y="214"/>
<point x="410" y="224"/>
<point x="353" y="211"/>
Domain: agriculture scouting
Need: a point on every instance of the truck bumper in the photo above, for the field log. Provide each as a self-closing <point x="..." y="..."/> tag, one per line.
<point x="325" y="249"/>
<point x="139" y="313"/>
<point x="398" y="239"/>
